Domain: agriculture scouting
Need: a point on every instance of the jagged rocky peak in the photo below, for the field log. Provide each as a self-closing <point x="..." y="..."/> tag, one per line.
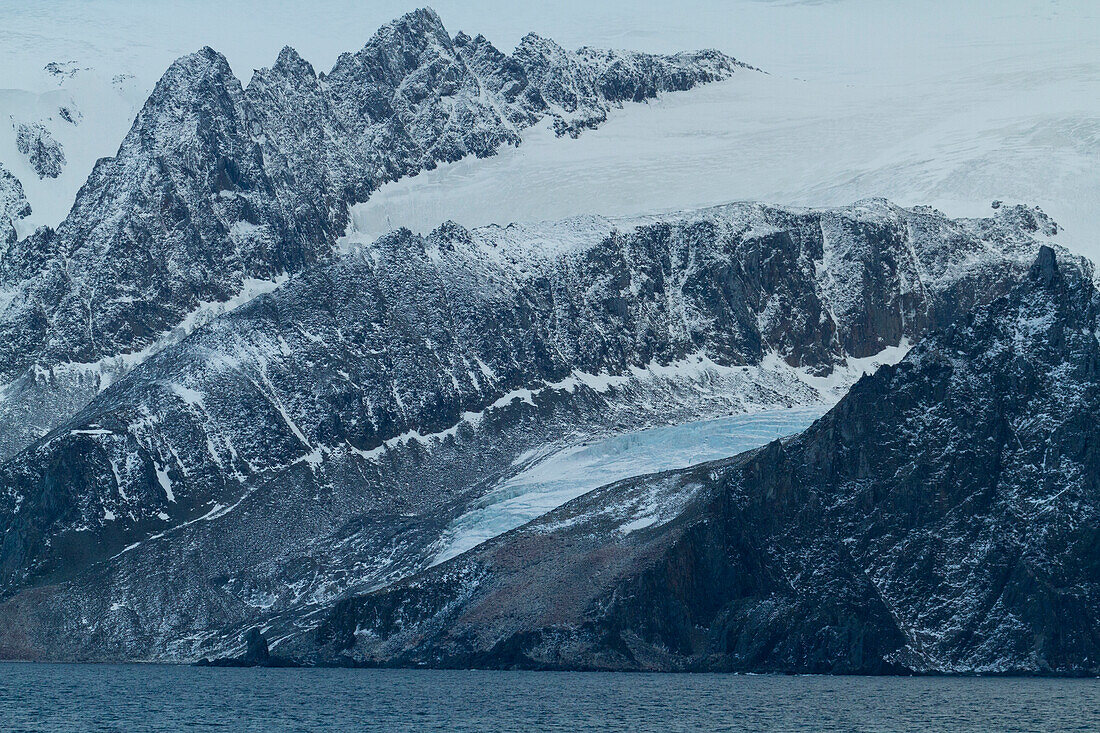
<point x="1028" y="218"/>
<point x="941" y="518"/>
<point x="183" y="214"/>
<point x="581" y="87"/>
<point x="44" y="154"/>
<point x="410" y="58"/>
<point x="290" y="63"/>
<point x="412" y="90"/>
<point x="197" y="100"/>
<point x="503" y="75"/>
<point x="215" y="186"/>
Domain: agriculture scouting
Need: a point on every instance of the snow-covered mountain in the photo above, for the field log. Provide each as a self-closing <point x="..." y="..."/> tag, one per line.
<point x="320" y="440"/>
<point x="227" y="407"/>
<point x="220" y="191"/>
<point x="57" y="123"/>
<point x="941" y="518"/>
<point x="919" y="101"/>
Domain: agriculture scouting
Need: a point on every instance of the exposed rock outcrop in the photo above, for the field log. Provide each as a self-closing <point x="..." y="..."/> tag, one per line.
<point x="317" y="441"/>
<point x="44" y="154"/>
<point x="13" y="205"/>
<point x="942" y="518"/>
<point x="219" y="189"/>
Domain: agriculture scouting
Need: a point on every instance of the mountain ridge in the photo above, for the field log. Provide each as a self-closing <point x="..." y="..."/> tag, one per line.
<point x="376" y="397"/>
<point x="218" y="184"/>
<point x="937" y="520"/>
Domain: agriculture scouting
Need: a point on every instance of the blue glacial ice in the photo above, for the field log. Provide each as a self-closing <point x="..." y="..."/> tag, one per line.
<point x="549" y="481"/>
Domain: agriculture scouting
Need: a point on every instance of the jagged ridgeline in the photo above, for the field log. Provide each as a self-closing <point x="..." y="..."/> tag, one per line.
<point x="943" y="517"/>
<point x="219" y="188"/>
<point x="318" y="441"/>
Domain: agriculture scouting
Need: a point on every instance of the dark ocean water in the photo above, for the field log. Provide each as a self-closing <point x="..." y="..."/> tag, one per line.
<point x="152" y="697"/>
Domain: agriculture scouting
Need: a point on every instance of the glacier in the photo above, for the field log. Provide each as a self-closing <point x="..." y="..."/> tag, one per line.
<point x="548" y="481"/>
<point x="940" y="519"/>
<point x="950" y="110"/>
<point x="553" y="474"/>
<point x="1006" y="108"/>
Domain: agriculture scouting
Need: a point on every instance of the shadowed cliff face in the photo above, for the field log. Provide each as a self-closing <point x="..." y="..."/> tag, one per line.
<point x="941" y="518"/>
<point x="220" y="189"/>
<point x="317" y="441"/>
<point x="13" y="206"/>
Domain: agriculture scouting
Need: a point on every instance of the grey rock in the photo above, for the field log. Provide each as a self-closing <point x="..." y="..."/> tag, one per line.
<point x="942" y="518"/>
<point x="315" y="443"/>
<point x="70" y="114"/>
<point x="13" y="205"/>
<point x="13" y="202"/>
<point x="62" y="70"/>
<point x="43" y="153"/>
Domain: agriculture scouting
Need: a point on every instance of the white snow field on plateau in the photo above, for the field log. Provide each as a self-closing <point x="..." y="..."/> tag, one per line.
<point x="921" y="101"/>
<point x="953" y="105"/>
<point x="547" y="482"/>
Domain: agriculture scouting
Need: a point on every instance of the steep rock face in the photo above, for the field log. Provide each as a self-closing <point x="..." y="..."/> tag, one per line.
<point x="13" y="205"/>
<point x="216" y="188"/>
<point x="941" y="518"/>
<point x="13" y="202"/>
<point x="317" y="441"/>
<point x="409" y="90"/>
<point x="43" y="153"/>
<point x="580" y="88"/>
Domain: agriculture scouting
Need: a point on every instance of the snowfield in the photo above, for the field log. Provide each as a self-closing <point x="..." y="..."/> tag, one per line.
<point x="953" y="105"/>
<point x="1005" y="109"/>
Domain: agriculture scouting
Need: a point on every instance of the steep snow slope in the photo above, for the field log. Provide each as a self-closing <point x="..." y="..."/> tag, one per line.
<point x="319" y="440"/>
<point x="922" y="101"/>
<point x="941" y="518"/>
<point x="87" y="111"/>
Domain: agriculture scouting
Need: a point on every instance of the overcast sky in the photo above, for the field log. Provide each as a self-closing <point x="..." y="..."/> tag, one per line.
<point x="893" y="37"/>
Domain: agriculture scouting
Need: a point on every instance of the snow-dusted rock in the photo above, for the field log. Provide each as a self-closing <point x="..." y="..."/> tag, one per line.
<point x="13" y="205"/>
<point x="62" y="70"/>
<point x="217" y="186"/>
<point x="318" y="441"/>
<point x="580" y="88"/>
<point x="43" y="153"/>
<point x="941" y="518"/>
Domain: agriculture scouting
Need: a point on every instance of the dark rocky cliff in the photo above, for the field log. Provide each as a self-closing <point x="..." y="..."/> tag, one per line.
<point x="316" y="441"/>
<point x="13" y="205"/>
<point x="943" y="517"/>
